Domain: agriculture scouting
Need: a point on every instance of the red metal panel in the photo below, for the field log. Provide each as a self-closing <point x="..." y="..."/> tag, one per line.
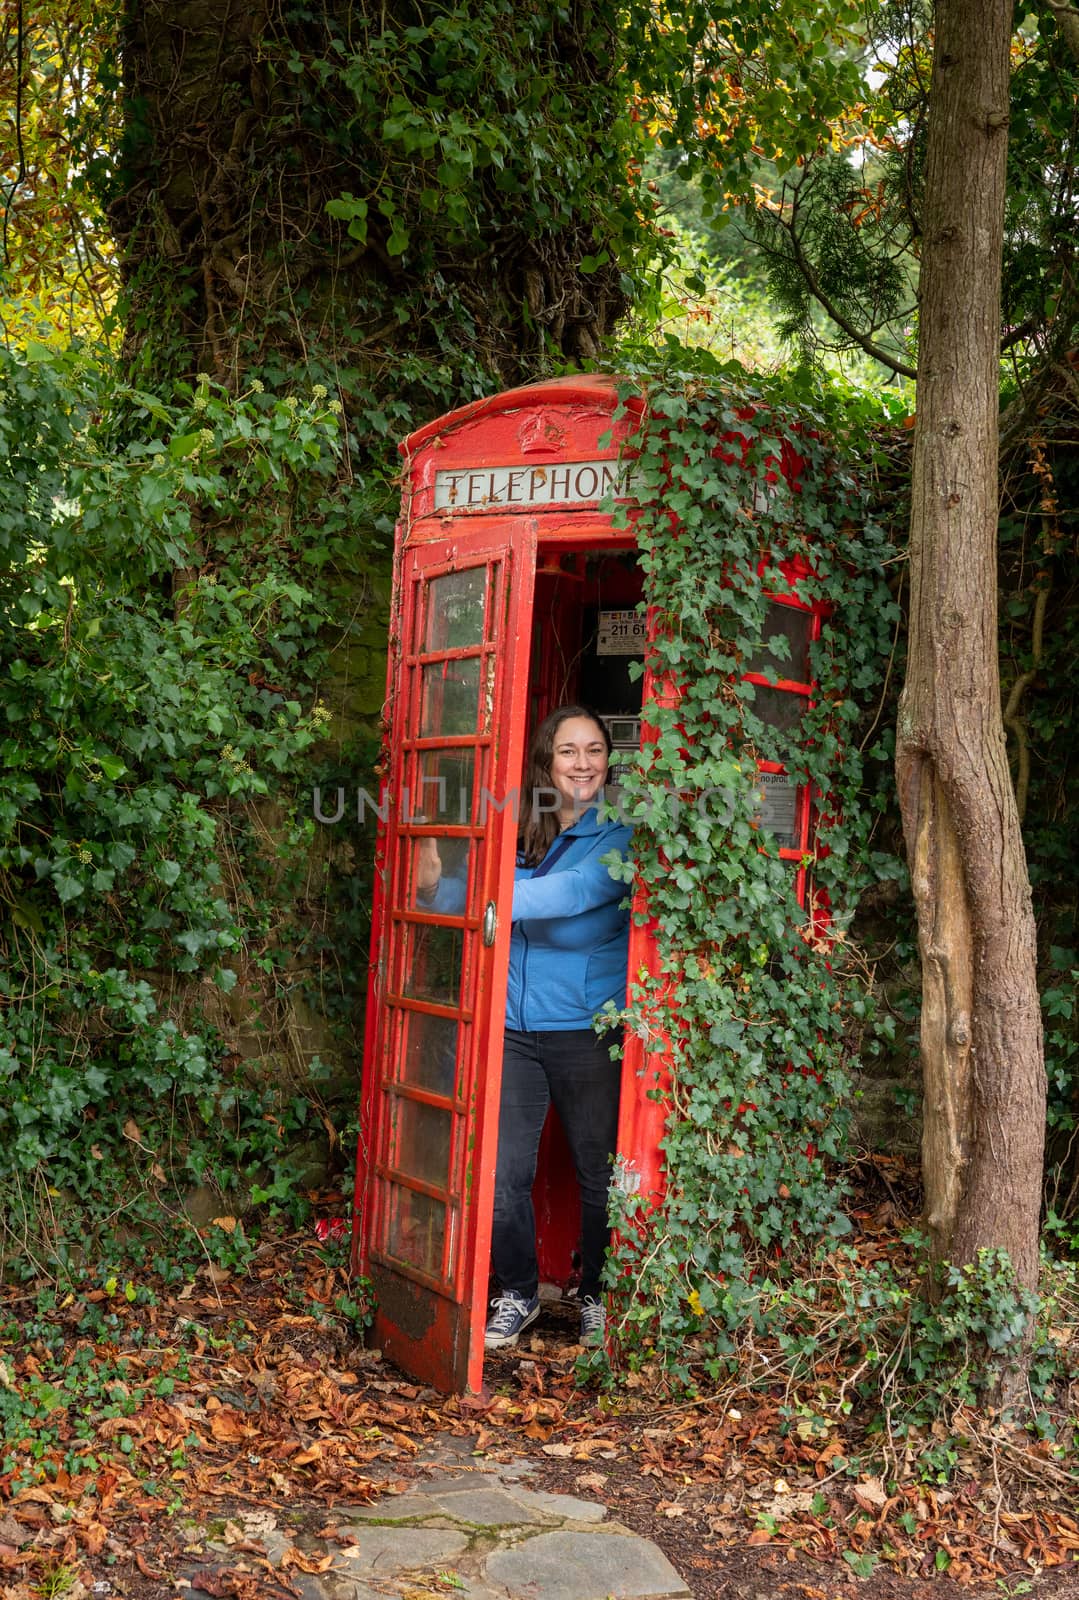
<point x="646" y="1060"/>
<point x="540" y="427"/>
<point x="437" y="989"/>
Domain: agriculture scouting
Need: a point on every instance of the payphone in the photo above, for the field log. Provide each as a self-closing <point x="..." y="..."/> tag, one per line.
<point x="515" y="590"/>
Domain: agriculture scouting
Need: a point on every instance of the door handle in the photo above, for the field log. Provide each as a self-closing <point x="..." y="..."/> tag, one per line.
<point x="490" y="925"/>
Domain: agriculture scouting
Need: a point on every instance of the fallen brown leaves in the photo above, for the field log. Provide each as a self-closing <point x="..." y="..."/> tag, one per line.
<point x="743" y="1483"/>
<point x="238" y="1408"/>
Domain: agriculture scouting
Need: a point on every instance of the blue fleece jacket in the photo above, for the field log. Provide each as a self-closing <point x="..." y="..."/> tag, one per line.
<point x="570" y="938"/>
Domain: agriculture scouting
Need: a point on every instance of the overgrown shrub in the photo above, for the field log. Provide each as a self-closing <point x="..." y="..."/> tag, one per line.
<point x="162" y="644"/>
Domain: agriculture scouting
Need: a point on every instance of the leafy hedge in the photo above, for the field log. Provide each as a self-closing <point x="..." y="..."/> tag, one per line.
<point x="159" y="710"/>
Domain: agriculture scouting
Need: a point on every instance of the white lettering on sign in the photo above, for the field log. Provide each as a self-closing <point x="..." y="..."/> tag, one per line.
<point x="557" y="484"/>
<point x="621" y="633"/>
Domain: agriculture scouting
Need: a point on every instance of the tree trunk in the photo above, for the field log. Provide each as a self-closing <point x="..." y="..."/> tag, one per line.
<point x="981" y="1028"/>
<point x="243" y="122"/>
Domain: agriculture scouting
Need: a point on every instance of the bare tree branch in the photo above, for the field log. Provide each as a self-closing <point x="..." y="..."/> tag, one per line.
<point x="870" y="347"/>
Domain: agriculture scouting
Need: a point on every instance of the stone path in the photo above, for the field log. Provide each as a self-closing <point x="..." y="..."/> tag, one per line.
<point x="483" y="1534"/>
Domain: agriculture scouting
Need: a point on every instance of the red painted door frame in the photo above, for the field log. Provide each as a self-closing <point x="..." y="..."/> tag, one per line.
<point x="437" y="980"/>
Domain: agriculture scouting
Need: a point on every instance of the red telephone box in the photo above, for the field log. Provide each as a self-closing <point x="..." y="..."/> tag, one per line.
<point x="513" y="593"/>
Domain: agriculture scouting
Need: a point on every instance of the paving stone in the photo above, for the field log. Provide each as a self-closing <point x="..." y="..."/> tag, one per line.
<point x="305" y="1586"/>
<point x="566" y="1506"/>
<point x="387" y="1550"/>
<point x="387" y="1588"/>
<point x="446" y="1447"/>
<point x="446" y="1450"/>
<point x="308" y="1586"/>
<point x="584" y="1566"/>
<point x="485" y="1508"/>
<point x="459" y="1480"/>
<point x="394" y="1508"/>
<point x="404" y="1538"/>
<point x="341" y="1588"/>
<point x="507" y="1470"/>
<point x="474" y="1588"/>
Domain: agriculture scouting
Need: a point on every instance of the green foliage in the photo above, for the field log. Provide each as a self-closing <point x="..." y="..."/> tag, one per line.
<point x="415" y="146"/>
<point x="729" y="85"/>
<point x="459" y="197"/>
<point x="704" y="302"/>
<point x="57" y="77"/>
<point x="473" y="118"/>
<point x="161" y="647"/>
<point x="844" y="258"/>
<point x="981" y="1313"/>
<point x="762" y="992"/>
<point x="70" y="1413"/>
<point x="1062" y="1071"/>
<point x="842" y="233"/>
<point x="1039" y="634"/>
<point x="968" y="1341"/>
<point x="464" y="188"/>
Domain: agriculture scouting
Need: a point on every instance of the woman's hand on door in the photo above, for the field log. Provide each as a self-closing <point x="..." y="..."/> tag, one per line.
<point x="428" y="866"/>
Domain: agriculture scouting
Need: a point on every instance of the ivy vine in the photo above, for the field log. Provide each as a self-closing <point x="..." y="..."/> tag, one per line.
<point x="764" y="992"/>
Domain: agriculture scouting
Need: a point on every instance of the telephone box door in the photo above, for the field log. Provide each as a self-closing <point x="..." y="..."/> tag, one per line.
<point x="438" y="977"/>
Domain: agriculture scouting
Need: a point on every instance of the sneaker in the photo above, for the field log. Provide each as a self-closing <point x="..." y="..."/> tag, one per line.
<point x="593" y="1320"/>
<point x="510" y="1315"/>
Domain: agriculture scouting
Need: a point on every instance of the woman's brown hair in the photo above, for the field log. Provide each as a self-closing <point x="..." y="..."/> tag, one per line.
<point x="539" y="822"/>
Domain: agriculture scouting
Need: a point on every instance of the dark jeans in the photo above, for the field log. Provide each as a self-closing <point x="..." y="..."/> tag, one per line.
<point x="573" y="1070"/>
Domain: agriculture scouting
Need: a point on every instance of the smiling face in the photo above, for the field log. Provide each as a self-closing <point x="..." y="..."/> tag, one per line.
<point x="578" y="765"/>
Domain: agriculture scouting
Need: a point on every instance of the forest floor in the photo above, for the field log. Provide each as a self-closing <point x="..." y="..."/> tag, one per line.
<point x="147" y="1428"/>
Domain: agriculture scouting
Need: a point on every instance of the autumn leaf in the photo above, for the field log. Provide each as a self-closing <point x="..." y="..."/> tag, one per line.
<point x="871" y="1494"/>
<point x="229" y="1427"/>
<point x="291" y="1557"/>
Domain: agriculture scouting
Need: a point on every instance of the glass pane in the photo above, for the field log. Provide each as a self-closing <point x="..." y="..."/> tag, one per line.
<point x="450" y="697"/>
<point x="416" y="1228"/>
<point x="422" y="1146"/>
<point x="444" y="789"/>
<point x="779" y="807"/>
<point x="793" y="626"/>
<point x="433" y="964"/>
<point x="430" y="1052"/>
<point x="455" y="610"/>
<point x="437" y="880"/>
<point x="780" y="708"/>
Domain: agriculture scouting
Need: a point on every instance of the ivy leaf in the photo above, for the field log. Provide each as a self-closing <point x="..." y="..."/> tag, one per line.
<point x="26" y="915"/>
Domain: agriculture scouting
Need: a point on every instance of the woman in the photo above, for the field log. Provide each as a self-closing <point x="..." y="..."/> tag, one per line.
<point x="568" y="952"/>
